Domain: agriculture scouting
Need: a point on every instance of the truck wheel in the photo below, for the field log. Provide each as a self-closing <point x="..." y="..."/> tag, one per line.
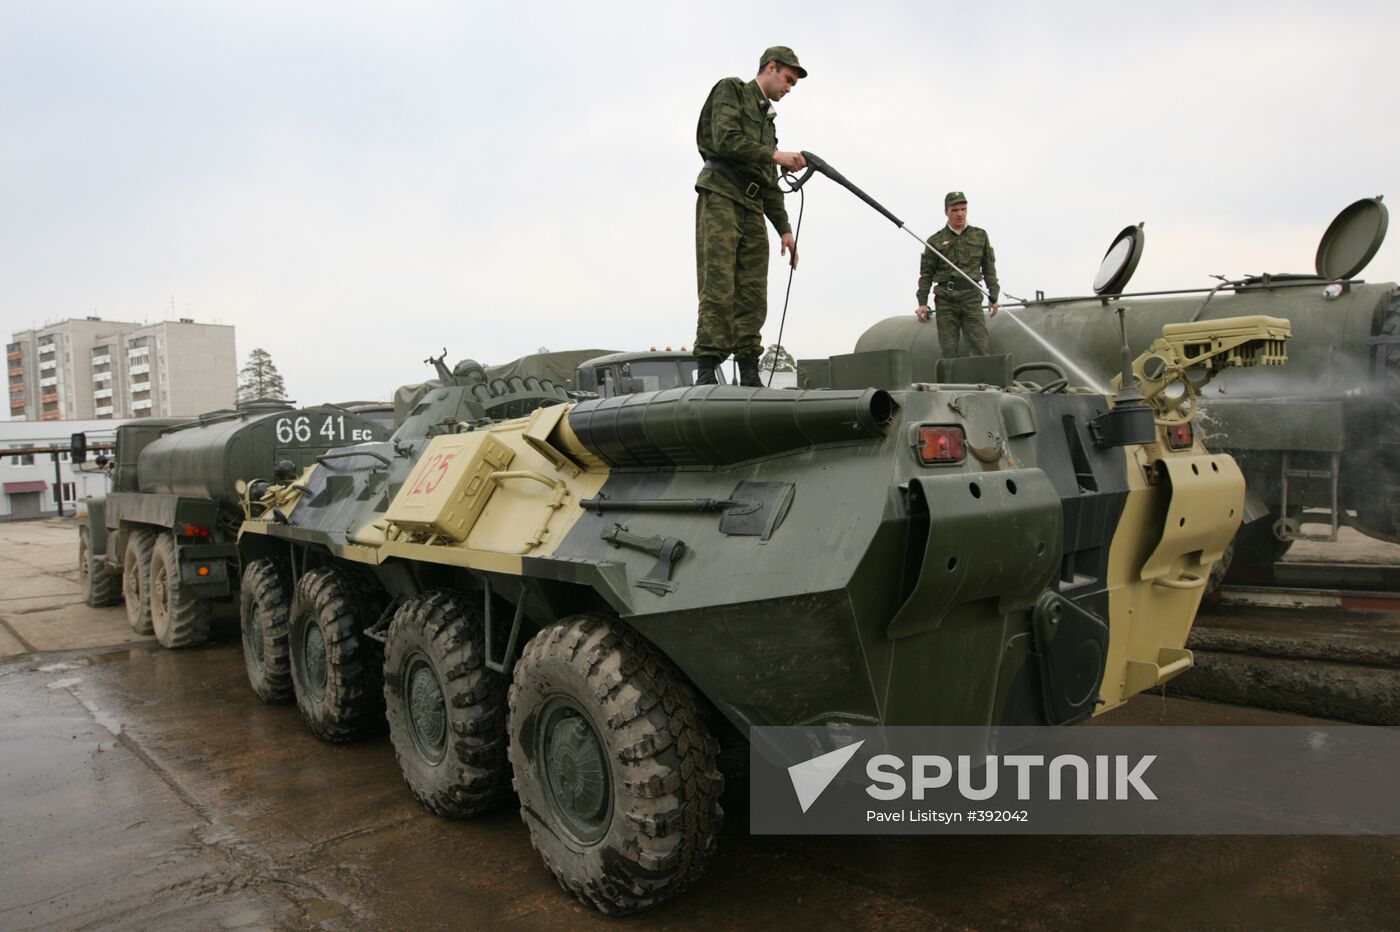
<point x="177" y="619"/>
<point x="264" y="609"/>
<point x="1256" y="545"/>
<point x="100" y="585"/>
<point x="136" y="573"/>
<point x="614" y="765"/>
<point x="446" y="709"/>
<point x="335" y="668"/>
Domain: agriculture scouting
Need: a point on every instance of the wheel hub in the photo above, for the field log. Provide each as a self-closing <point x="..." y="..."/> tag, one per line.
<point x="252" y="637"/>
<point x="313" y="659"/>
<point x="576" y="771"/>
<point x="427" y="710"/>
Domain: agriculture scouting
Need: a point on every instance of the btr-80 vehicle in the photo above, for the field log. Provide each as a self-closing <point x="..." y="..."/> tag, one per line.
<point x="586" y="600"/>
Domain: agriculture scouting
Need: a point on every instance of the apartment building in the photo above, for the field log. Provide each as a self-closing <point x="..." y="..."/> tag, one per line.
<point x="102" y="369"/>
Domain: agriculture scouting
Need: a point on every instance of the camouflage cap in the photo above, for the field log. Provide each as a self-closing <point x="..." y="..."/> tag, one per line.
<point x="954" y="197"/>
<point x="783" y="56"/>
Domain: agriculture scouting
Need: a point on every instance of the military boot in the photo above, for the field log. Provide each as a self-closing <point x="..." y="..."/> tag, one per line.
<point x="705" y="373"/>
<point x="748" y="372"/>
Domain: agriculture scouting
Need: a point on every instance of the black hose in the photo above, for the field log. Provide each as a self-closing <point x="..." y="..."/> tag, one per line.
<point x="796" y="185"/>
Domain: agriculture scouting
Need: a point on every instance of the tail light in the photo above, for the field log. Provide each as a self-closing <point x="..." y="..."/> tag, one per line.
<point x="941" y="445"/>
<point x="1180" y="436"/>
<point x="195" y="530"/>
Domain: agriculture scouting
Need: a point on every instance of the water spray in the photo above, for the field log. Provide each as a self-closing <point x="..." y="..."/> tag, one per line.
<point x="816" y="164"/>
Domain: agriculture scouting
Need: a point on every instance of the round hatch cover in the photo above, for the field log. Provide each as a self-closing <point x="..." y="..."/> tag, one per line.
<point x="1120" y="261"/>
<point x="1352" y="240"/>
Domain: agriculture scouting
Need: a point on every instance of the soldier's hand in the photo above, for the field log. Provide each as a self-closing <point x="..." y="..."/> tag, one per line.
<point x="993" y="308"/>
<point x="792" y="161"/>
<point x="790" y="245"/>
<point x="921" y="312"/>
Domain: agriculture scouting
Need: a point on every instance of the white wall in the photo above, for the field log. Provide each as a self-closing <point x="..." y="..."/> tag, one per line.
<point x="87" y="480"/>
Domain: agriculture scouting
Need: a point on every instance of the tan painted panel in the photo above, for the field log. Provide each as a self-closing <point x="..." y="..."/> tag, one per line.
<point x="1149" y="618"/>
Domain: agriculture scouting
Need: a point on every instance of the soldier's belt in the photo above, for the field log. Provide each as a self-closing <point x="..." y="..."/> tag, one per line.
<point x="725" y="170"/>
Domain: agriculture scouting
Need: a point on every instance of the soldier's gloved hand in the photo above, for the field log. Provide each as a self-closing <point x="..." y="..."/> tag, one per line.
<point x="790" y="245"/>
<point x="792" y="161"/>
<point x="993" y="308"/>
<point x="921" y="312"/>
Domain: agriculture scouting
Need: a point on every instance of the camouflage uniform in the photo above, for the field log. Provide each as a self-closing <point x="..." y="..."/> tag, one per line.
<point x="959" y="305"/>
<point x="731" y="245"/>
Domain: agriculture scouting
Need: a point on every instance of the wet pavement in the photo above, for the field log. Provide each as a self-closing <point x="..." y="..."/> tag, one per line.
<point x="143" y="788"/>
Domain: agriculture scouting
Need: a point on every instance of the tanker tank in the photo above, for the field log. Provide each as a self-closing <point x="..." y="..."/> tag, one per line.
<point x="1318" y="442"/>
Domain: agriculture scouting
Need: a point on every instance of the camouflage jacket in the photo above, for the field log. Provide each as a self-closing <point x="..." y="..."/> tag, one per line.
<point x="736" y="127"/>
<point x="971" y="251"/>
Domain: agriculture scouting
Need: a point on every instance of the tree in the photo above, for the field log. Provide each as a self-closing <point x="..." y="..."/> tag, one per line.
<point x="785" y="361"/>
<point x="260" y="378"/>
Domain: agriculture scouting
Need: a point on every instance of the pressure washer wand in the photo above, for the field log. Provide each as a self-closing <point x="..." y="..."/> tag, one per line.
<point x="815" y="163"/>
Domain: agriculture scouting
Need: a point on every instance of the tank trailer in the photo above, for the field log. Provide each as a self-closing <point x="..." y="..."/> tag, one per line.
<point x="163" y="539"/>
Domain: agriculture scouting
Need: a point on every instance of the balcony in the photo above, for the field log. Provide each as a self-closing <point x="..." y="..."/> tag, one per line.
<point x="49" y="382"/>
<point x="102" y="393"/>
<point x="16" y="410"/>
<point x="102" y="376"/>
<point x="102" y="360"/>
<point x="139" y="369"/>
<point x="104" y="411"/>
<point x="136" y="387"/>
<point x="47" y="364"/>
<point x="49" y="398"/>
<point x="51" y="416"/>
<point x="144" y="405"/>
<point x="14" y="355"/>
<point x="17" y="370"/>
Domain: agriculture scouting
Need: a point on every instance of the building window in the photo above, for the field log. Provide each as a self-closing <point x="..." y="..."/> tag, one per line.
<point x="70" y="491"/>
<point x="22" y="459"/>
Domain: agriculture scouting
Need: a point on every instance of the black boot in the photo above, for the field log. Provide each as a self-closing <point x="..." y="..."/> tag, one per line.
<point x="705" y="367"/>
<point x="748" y="372"/>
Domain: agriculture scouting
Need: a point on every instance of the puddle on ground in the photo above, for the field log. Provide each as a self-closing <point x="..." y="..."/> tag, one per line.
<point x="318" y="911"/>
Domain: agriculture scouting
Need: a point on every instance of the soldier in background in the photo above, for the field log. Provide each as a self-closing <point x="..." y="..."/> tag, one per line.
<point x="737" y="188"/>
<point x="957" y="303"/>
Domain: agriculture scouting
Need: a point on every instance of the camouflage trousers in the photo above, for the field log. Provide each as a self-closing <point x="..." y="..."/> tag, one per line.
<point x="961" y="317"/>
<point x="731" y="268"/>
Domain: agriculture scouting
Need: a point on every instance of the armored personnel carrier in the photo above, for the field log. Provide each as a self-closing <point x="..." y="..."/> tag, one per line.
<point x="587" y="599"/>
<point x="1319" y="445"/>
<point x="163" y="539"/>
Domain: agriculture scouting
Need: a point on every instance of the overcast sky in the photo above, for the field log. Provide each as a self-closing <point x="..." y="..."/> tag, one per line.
<point x="357" y="185"/>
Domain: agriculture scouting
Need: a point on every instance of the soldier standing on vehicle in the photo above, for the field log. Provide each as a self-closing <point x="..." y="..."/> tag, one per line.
<point x="957" y="303"/>
<point x="737" y="188"/>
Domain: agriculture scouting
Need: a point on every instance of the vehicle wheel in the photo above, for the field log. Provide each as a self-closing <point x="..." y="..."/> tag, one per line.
<point x="446" y="710"/>
<point x="100" y="585"/>
<point x="264" y="610"/>
<point x="1220" y="569"/>
<point x="615" y="768"/>
<point x="335" y="668"/>
<point x="1256" y="545"/>
<point x="136" y="573"/>
<point x="177" y="619"/>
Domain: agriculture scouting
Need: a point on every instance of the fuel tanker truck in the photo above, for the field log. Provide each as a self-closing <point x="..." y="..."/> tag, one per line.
<point x="1319" y="444"/>
<point x="586" y="600"/>
<point x="163" y="539"/>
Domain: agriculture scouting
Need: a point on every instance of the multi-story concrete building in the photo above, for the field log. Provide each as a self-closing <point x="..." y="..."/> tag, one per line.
<point x="30" y="484"/>
<point x="92" y="368"/>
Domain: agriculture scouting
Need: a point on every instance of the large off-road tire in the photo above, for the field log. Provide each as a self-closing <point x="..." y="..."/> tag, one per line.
<point x="136" y="575"/>
<point x="1220" y="569"/>
<point x="335" y="667"/>
<point x="446" y="710"/>
<point x="178" y="619"/>
<point x="264" y="612"/>
<point x="1256" y="544"/>
<point x="100" y="585"/>
<point x="614" y="765"/>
